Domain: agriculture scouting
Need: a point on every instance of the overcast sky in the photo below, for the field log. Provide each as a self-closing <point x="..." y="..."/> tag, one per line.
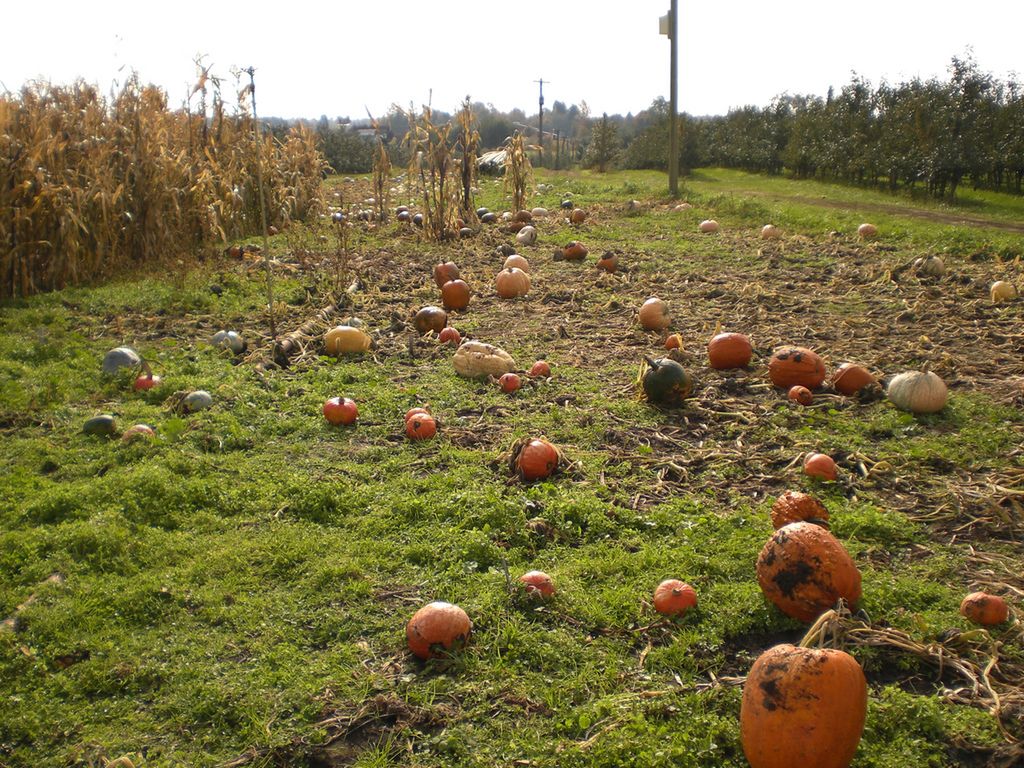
<point x="342" y="58"/>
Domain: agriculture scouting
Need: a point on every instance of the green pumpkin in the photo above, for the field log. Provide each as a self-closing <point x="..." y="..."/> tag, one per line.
<point x="665" y="382"/>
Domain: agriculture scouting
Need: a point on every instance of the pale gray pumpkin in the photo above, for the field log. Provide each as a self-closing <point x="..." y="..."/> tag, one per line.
<point x="918" y="392"/>
<point x="121" y="357"/>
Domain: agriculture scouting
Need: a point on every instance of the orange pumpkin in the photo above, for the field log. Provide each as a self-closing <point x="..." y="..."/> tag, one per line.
<point x="574" y="250"/>
<point x="537" y="460"/>
<point x="455" y="295"/>
<point x="512" y="282"/>
<point x="849" y="379"/>
<point x="797" y="507"/>
<point x="509" y="382"/>
<point x="804" y="570"/>
<point x="985" y="609"/>
<point x="578" y="216"/>
<point x="803" y="707"/>
<point x="540" y="368"/>
<point x="674" y="597"/>
<point x="801" y="395"/>
<point x="790" y="366"/>
<point x="437" y="627"/>
<point x="445" y="272"/>
<point x="609" y="261"/>
<point x="450" y="336"/>
<point x="654" y="314"/>
<point x="537" y="584"/>
<point x="515" y="260"/>
<point x="729" y="350"/>
<point x="674" y="341"/>
<point x="422" y="426"/>
<point x="820" y="465"/>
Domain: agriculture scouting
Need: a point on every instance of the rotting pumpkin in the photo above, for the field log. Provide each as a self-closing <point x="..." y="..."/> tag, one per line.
<point x="804" y="571"/>
<point x="792" y="366"/>
<point x="665" y="382"/>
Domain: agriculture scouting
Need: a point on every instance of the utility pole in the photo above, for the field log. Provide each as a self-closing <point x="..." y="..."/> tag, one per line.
<point x="540" y="130"/>
<point x="670" y="27"/>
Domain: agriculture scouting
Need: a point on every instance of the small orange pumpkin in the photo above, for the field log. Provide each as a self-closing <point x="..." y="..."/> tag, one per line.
<point x="674" y="597"/>
<point x="444" y="272"/>
<point x="820" y="465"/>
<point x="609" y="262"/>
<point x="437" y="627"/>
<point x="574" y="250"/>
<point x="801" y="395"/>
<point x="422" y="426"/>
<point x="804" y="570"/>
<point x="509" y="382"/>
<point x="674" y="341"/>
<point x="512" y="282"/>
<point x="537" y="460"/>
<point x="729" y="350"/>
<point x="796" y="507"/>
<point x="790" y="366"/>
<point x="537" y="584"/>
<point x="450" y="335"/>
<point x="455" y="295"/>
<point x="849" y="379"/>
<point x="985" y="609"/>
<point x="540" y="368"/>
<point x="578" y="216"/>
<point x="803" y="707"/>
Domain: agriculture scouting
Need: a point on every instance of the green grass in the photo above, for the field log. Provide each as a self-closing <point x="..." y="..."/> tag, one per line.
<point x="234" y="585"/>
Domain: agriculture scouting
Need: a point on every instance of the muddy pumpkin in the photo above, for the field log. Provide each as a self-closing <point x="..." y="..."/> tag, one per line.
<point x="796" y="366"/>
<point x="798" y="507"/>
<point x="665" y="382"/>
<point x="803" y="707"/>
<point x="984" y="609"/>
<point x="804" y="571"/>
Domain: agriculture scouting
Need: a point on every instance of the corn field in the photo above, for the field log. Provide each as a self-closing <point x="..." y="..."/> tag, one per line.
<point x="91" y="185"/>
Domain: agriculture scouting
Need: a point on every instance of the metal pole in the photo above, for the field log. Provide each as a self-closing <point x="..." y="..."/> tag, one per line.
<point x="673" y="142"/>
<point x="540" y="127"/>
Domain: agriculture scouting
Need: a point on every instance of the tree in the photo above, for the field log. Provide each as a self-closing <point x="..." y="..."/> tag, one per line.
<point x="604" y="145"/>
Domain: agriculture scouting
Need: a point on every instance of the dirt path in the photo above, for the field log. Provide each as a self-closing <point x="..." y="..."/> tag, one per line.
<point x="893" y="210"/>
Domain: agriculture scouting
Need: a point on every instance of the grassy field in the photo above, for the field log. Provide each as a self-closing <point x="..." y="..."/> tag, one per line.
<point x="235" y="592"/>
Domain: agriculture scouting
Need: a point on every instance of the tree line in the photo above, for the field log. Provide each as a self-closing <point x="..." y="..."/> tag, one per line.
<point x="921" y="134"/>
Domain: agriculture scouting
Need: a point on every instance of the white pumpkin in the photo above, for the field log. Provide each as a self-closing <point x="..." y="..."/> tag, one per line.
<point x="918" y="392"/>
<point x="1002" y="291"/>
<point x="867" y="230"/>
<point x="526" y="236"/>
<point x="930" y="266"/>
<point x="197" y="401"/>
<point x="709" y="226"/>
<point x="475" y="359"/>
<point x="770" y="232"/>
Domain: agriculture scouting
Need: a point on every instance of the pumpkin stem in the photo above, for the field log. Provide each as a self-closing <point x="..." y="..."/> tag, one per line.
<point x="816" y="634"/>
<point x="653" y="363"/>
